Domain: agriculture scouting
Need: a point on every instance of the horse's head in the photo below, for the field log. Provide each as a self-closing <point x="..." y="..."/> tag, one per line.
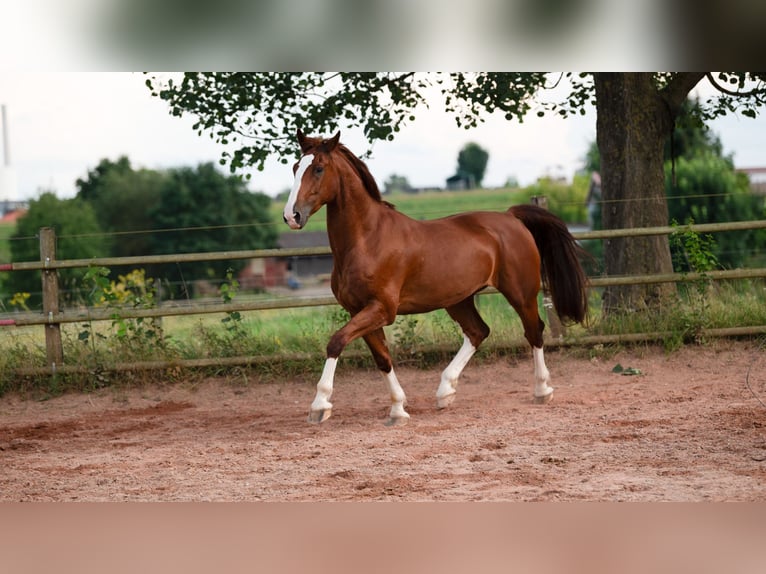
<point x="314" y="180"/>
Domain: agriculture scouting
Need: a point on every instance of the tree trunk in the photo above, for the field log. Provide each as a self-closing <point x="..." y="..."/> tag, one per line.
<point x="633" y="122"/>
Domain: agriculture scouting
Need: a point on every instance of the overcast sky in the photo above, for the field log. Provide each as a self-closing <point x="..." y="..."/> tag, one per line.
<point x="62" y="124"/>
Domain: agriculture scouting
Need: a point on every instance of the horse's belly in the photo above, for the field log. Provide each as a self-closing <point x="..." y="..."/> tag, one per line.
<point x="446" y="283"/>
<point x="416" y="307"/>
<point x="432" y="298"/>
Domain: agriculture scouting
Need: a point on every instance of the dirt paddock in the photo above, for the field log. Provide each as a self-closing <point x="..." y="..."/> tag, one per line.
<point x="689" y="427"/>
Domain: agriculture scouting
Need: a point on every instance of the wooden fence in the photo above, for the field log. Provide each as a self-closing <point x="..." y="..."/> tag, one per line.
<point x="52" y="317"/>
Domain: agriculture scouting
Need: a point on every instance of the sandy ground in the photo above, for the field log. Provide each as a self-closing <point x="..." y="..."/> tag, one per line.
<point x="687" y="428"/>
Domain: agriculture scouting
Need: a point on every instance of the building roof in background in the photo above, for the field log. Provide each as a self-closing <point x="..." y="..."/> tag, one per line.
<point x="297" y="239"/>
<point x="12" y="216"/>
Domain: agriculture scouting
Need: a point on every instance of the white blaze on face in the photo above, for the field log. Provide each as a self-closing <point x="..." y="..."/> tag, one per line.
<point x="289" y="211"/>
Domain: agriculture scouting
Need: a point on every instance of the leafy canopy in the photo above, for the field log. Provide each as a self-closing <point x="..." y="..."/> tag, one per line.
<point x="255" y="115"/>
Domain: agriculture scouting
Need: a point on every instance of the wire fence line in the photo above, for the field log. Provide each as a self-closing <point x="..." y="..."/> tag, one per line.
<point x="430" y="213"/>
<point x="325" y="250"/>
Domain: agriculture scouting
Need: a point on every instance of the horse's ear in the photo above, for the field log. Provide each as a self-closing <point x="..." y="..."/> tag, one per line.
<point x="332" y="142"/>
<point x="302" y="141"/>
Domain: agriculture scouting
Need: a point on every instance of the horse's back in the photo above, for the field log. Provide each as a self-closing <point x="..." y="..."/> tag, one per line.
<point x="500" y="230"/>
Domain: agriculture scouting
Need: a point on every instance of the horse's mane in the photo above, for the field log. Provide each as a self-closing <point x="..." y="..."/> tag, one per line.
<point x="368" y="182"/>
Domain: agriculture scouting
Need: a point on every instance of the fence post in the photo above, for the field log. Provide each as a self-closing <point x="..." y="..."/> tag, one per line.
<point x="558" y="330"/>
<point x="54" y="350"/>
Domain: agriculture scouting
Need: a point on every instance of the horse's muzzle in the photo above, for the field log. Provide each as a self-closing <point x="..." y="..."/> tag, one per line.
<point x="295" y="221"/>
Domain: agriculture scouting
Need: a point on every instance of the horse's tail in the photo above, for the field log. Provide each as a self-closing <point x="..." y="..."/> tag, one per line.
<point x="560" y="269"/>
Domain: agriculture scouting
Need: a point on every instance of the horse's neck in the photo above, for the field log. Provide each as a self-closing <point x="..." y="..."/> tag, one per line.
<point x="351" y="217"/>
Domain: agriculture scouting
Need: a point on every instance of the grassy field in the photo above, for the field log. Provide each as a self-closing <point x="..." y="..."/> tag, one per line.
<point x="6" y="230"/>
<point x="429" y="205"/>
<point x="292" y="342"/>
<point x="280" y="335"/>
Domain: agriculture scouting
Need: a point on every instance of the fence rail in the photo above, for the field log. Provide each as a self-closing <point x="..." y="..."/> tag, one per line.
<point x="177" y="309"/>
<point x="157" y="259"/>
<point x="52" y="317"/>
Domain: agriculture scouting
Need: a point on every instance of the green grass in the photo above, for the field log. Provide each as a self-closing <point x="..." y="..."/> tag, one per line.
<point x="278" y="335"/>
<point x="721" y="305"/>
<point x="433" y="204"/>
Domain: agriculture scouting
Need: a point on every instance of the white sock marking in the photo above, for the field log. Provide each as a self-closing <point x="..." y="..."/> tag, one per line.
<point x="451" y="374"/>
<point x="324" y="386"/>
<point x="397" y="396"/>
<point x="542" y="375"/>
<point x="289" y="209"/>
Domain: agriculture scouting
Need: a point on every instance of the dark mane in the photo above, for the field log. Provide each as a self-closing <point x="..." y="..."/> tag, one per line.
<point x="364" y="174"/>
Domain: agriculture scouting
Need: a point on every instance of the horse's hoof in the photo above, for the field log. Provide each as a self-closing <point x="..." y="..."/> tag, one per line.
<point x="316" y="417"/>
<point x="396" y="421"/>
<point x="545" y="399"/>
<point x="444" y="402"/>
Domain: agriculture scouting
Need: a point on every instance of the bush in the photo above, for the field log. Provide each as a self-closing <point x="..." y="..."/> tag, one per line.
<point x="565" y="200"/>
<point x="78" y="238"/>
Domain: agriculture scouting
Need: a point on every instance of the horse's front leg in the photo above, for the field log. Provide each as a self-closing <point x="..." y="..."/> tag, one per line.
<point x="369" y="319"/>
<point x="321" y="407"/>
<point x="376" y="341"/>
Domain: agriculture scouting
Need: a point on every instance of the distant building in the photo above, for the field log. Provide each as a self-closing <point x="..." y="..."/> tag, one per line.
<point x="271" y="272"/>
<point x="312" y="265"/>
<point x="757" y="177"/>
<point x="461" y="181"/>
<point x="260" y="274"/>
<point x="10" y="211"/>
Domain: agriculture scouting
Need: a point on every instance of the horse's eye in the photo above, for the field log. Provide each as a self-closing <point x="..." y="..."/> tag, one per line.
<point x="318" y="170"/>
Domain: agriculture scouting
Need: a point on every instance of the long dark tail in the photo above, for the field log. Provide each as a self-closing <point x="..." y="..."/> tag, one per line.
<point x="562" y="274"/>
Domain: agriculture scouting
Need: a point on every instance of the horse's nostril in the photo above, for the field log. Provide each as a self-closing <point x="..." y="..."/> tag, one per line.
<point x="284" y="219"/>
<point x="297" y="217"/>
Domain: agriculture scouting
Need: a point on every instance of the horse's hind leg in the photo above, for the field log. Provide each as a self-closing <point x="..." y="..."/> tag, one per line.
<point x="522" y="295"/>
<point x="475" y="330"/>
<point x="533" y="331"/>
<point x="376" y="341"/>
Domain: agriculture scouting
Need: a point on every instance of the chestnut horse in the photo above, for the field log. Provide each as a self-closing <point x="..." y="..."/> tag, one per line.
<point x="387" y="264"/>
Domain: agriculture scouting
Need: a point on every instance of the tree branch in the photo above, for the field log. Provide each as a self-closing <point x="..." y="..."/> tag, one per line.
<point x="678" y="88"/>
<point x="718" y="86"/>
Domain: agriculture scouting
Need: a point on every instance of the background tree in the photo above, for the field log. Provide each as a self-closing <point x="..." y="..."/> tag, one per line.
<point x="205" y="210"/>
<point x="702" y="186"/>
<point x="90" y="188"/>
<point x="123" y="199"/>
<point x="707" y="189"/>
<point x="80" y="237"/>
<point x="259" y="114"/>
<point x="397" y="184"/>
<point x="472" y="163"/>
<point x="691" y="135"/>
